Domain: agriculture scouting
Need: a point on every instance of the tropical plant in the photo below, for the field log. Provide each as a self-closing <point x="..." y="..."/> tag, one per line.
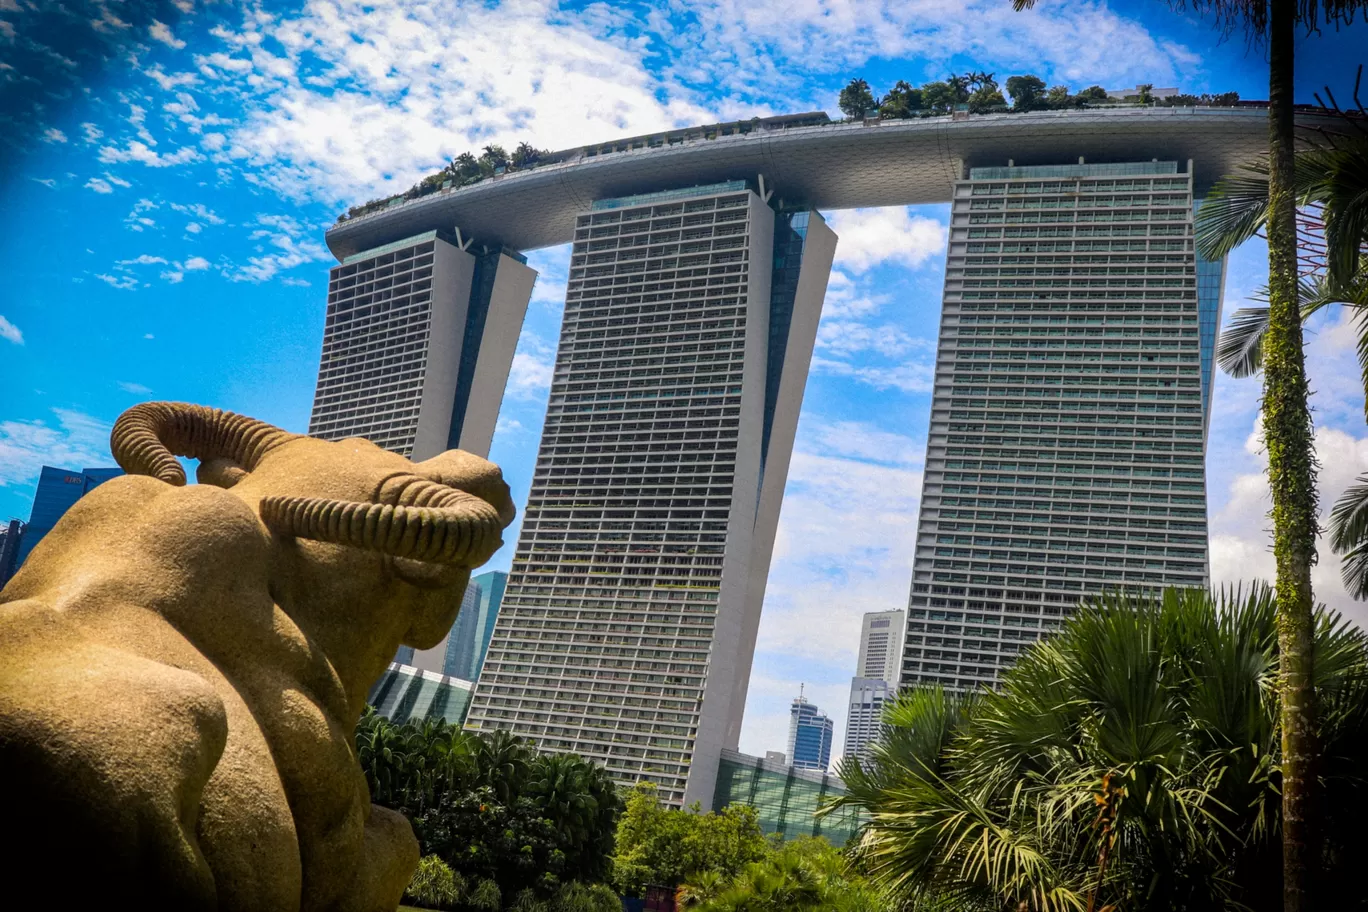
<point x="1286" y="415"/>
<point x="435" y="885"/>
<point x="1131" y="761"/>
<point x="1028" y="92"/>
<point x="803" y="874"/>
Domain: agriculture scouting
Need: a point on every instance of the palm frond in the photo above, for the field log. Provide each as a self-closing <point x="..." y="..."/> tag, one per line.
<point x="1349" y="537"/>
<point x="1234" y="211"/>
<point x="1239" y="351"/>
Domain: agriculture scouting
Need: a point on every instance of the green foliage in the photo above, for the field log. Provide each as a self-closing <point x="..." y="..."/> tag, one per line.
<point x="465" y="168"/>
<point x="1028" y="92"/>
<point x="657" y="845"/>
<point x="580" y="897"/>
<point x="435" y="885"/>
<point x="856" y="99"/>
<point x="804" y="874"/>
<point x="502" y="818"/>
<point x="902" y="101"/>
<point x="1131" y="760"/>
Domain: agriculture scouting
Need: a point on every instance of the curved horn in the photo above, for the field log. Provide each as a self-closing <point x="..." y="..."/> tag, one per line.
<point x="440" y="524"/>
<point x="147" y="438"/>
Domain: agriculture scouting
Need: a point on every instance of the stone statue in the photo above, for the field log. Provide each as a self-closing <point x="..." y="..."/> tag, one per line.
<point x="181" y="668"/>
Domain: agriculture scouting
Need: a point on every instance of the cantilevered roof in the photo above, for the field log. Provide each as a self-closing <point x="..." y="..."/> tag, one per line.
<point x="836" y="166"/>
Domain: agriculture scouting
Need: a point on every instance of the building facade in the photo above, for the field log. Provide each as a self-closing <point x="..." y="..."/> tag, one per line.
<point x="810" y="735"/>
<point x="57" y="490"/>
<point x="864" y="716"/>
<point x="408" y="694"/>
<point x="470" y="636"/>
<point x="786" y="799"/>
<point x="1066" y="454"/>
<point x="417" y="344"/>
<point x="439" y="659"/>
<point x="10" y="538"/>
<point x="629" y="622"/>
<point x="876" y="675"/>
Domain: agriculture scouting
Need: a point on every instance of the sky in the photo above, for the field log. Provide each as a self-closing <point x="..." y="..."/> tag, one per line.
<point x="168" y="168"/>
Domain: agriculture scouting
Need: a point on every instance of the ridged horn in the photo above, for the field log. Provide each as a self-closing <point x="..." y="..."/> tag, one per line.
<point x="436" y="524"/>
<point x="147" y="438"/>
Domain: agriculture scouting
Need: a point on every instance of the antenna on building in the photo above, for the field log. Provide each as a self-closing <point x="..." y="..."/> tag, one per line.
<point x="800" y="690"/>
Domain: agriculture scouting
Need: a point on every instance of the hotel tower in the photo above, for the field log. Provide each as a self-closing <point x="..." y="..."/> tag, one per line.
<point x="629" y="621"/>
<point x="1066" y="454"/>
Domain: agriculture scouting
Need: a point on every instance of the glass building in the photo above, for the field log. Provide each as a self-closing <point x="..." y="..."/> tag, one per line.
<point x="57" y="490"/>
<point x="629" y="622"/>
<point x="1066" y="454"/>
<point x="809" y="737"/>
<point x="470" y="635"/>
<point x="417" y="344"/>
<point x="785" y="798"/>
<point x="408" y="694"/>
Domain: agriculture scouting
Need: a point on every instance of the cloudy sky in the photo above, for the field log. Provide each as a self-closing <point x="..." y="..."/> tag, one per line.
<point x="167" y="169"/>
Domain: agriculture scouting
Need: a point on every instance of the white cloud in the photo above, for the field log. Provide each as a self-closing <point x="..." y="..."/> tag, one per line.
<point x="193" y="227"/>
<point x="170" y="81"/>
<point x="91" y="132"/>
<point x="145" y="259"/>
<point x="123" y="282"/>
<point x="290" y="244"/>
<point x="139" y="151"/>
<point x="891" y="234"/>
<point x="77" y="441"/>
<point x="161" y="32"/>
<point x="54" y="135"/>
<point x="48" y="182"/>
<point x="173" y="276"/>
<point x="199" y="211"/>
<point x="295" y="282"/>
<point x="843" y="338"/>
<point x="99" y="185"/>
<point x="135" y="388"/>
<point x="10" y="332"/>
<point x="530" y="375"/>
<point x="912" y="377"/>
<point x="194" y="263"/>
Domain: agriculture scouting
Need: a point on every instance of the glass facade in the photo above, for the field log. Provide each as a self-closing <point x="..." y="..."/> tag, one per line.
<point x="57" y="490"/>
<point x="785" y="799"/>
<point x="405" y="694"/>
<point x="1067" y="440"/>
<point x="809" y="738"/>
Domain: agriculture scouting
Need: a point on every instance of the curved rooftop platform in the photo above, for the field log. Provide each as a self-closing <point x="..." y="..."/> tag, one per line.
<point x="834" y="166"/>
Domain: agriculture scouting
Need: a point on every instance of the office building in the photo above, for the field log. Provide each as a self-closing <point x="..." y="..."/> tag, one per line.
<point x="864" y="717"/>
<point x="408" y="694"/>
<point x="629" y="622"/>
<point x="786" y="798"/>
<point x="57" y="490"/>
<point x="876" y="674"/>
<point x="417" y="344"/>
<point x="809" y="737"/>
<point x="473" y="630"/>
<point x="1068" y="419"/>
<point x="437" y="659"/>
<point x="10" y="537"/>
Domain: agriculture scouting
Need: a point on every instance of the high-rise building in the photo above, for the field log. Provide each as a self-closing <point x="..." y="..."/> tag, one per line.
<point x="437" y="659"/>
<point x="407" y="694"/>
<point x="1068" y="419"/>
<point x="470" y="636"/>
<point x="10" y="538"/>
<point x="57" y="490"/>
<point x="881" y="634"/>
<point x="864" y="718"/>
<point x="417" y="344"/>
<point x="810" y="735"/>
<point x="629" y="623"/>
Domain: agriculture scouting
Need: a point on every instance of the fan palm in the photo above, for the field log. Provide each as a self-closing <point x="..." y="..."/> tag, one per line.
<point x="1132" y="760"/>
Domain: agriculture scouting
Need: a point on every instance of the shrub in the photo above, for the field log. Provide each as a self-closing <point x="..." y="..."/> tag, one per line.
<point x="485" y="897"/>
<point x="435" y="885"/>
<point x="578" y="897"/>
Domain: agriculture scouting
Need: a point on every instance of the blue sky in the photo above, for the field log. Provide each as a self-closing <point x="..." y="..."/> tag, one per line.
<point x="168" y="168"/>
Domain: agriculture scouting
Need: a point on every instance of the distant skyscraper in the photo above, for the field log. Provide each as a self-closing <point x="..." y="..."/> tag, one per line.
<point x="10" y="538"/>
<point x="1068" y="418"/>
<point x="629" y="624"/>
<point x="437" y="659"/>
<point x="810" y="733"/>
<point x="417" y="345"/>
<point x="57" y="490"/>
<point x="876" y="676"/>
<point x="470" y="636"/>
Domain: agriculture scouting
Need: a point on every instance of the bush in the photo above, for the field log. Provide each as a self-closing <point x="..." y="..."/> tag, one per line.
<point x="485" y="897"/>
<point x="435" y="885"/>
<point x="578" y="897"/>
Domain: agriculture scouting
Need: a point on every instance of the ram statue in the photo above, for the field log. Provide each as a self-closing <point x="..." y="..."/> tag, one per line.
<point x="182" y="667"/>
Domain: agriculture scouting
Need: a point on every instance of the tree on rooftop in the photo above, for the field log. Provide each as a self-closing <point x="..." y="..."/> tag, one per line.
<point x="1287" y="418"/>
<point x="985" y="95"/>
<point x="857" y="99"/>
<point x="903" y="100"/>
<point x="1028" y="92"/>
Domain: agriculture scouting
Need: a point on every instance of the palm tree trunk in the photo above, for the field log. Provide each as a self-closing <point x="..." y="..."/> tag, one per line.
<point x="1291" y="474"/>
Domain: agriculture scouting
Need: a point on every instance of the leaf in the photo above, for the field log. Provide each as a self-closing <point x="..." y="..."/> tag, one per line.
<point x="1239" y="351"/>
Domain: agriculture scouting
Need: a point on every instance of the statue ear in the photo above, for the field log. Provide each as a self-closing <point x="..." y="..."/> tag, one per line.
<point x="220" y="471"/>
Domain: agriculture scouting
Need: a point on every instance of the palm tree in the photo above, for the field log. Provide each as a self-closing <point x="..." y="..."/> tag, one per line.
<point x="1286" y="414"/>
<point x="1132" y="760"/>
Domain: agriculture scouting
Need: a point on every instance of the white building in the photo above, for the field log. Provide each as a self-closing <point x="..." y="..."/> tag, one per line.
<point x="875" y="680"/>
<point x="629" y="621"/>
<point x="1066" y="454"/>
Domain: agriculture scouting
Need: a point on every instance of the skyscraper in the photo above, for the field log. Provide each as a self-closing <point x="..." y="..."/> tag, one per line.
<point x="417" y="344"/>
<point x="10" y="538"/>
<point x="57" y="490"/>
<point x="809" y="738"/>
<point x="437" y="659"/>
<point x="470" y="636"/>
<point x="876" y="675"/>
<point x="1068" y="419"/>
<point x="628" y="627"/>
